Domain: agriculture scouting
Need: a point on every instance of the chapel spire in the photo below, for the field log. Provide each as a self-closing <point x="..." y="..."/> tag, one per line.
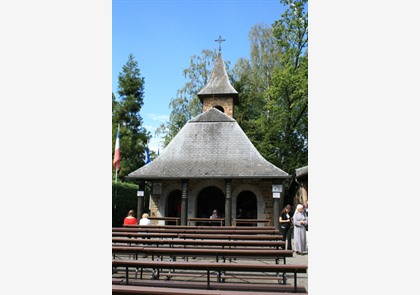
<point x="218" y="92"/>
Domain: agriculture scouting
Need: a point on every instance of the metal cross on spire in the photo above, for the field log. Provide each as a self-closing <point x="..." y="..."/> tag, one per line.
<point x="220" y="40"/>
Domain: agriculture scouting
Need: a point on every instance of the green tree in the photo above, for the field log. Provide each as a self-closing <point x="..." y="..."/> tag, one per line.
<point x="126" y="113"/>
<point x="252" y="79"/>
<point x="285" y="116"/>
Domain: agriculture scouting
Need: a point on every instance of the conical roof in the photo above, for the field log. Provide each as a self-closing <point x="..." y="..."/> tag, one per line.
<point x="218" y="83"/>
<point x="211" y="145"/>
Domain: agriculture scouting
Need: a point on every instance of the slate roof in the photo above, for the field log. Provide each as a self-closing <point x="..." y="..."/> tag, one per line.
<point x="302" y="171"/>
<point x="211" y="145"/>
<point x="218" y="84"/>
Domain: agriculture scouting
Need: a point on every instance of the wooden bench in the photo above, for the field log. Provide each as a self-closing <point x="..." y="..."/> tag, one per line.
<point x="214" y="243"/>
<point x="199" y="231"/>
<point x="215" y="228"/>
<point x="130" y="289"/>
<point x="231" y="237"/>
<point x="205" y="252"/>
<point x="208" y="267"/>
<point x="261" y="287"/>
<point x="221" y="236"/>
<point x="229" y="282"/>
<point x="144" y="235"/>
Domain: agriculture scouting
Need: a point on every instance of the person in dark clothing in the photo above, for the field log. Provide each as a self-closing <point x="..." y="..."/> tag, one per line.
<point x="286" y="225"/>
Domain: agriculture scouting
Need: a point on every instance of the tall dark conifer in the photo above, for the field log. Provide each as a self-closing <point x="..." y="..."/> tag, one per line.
<point x="126" y="112"/>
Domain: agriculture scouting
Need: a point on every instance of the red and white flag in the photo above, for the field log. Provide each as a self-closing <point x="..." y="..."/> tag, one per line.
<point x="117" y="157"/>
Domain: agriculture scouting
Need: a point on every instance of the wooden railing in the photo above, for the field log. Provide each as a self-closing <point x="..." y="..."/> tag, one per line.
<point x="237" y="221"/>
<point x="218" y="221"/>
<point x="175" y="219"/>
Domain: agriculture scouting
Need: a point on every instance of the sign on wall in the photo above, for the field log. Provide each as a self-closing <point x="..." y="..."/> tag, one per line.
<point x="277" y="188"/>
<point x="276" y="195"/>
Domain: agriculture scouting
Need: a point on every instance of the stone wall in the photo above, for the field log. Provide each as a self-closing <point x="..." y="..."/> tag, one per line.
<point x="225" y="102"/>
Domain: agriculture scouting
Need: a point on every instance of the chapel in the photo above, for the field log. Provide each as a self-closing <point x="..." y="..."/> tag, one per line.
<point x="211" y="164"/>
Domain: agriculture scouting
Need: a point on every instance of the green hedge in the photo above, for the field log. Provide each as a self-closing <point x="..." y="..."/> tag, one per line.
<point x="124" y="198"/>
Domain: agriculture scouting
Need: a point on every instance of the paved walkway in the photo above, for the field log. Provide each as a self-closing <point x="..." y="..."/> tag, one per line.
<point x="302" y="278"/>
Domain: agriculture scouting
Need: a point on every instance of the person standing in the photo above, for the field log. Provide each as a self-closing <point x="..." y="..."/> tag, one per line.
<point x="286" y="225"/>
<point x="130" y="219"/>
<point x="300" y="221"/>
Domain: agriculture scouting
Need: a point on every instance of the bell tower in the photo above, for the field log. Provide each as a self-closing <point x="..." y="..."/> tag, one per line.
<point x="218" y="92"/>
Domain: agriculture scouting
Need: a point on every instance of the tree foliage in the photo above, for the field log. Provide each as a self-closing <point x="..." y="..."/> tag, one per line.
<point x="285" y="123"/>
<point x="126" y="113"/>
<point x="252" y="79"/>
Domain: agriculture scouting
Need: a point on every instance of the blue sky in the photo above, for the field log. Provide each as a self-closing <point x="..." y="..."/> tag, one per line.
<point x="163" y="35"/>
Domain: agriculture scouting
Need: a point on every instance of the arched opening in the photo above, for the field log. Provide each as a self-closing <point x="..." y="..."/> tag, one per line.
<point x="246" y="207"/>
<point x="173" y="206"/>
<point x="209" y="199"/>
<point x="220" y="108"/>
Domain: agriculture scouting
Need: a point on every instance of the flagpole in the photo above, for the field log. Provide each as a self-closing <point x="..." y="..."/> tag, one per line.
<point x="116" y="188"/>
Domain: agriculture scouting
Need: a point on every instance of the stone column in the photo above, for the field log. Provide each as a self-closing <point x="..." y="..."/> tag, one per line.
<point x="228" y="203"/>
<point x="184" y="202"/>
<point x="140" y="199"/>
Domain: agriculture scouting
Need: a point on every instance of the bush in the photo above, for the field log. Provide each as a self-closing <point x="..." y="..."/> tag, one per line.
<point x="124" y="198"/>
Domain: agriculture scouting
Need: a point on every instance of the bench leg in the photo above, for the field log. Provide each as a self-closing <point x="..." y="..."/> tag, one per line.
<point x="283" y="278"/>
<point x="155" y="274"/>
<point x="168" y="277"/>
<point x="126" y="275"/>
